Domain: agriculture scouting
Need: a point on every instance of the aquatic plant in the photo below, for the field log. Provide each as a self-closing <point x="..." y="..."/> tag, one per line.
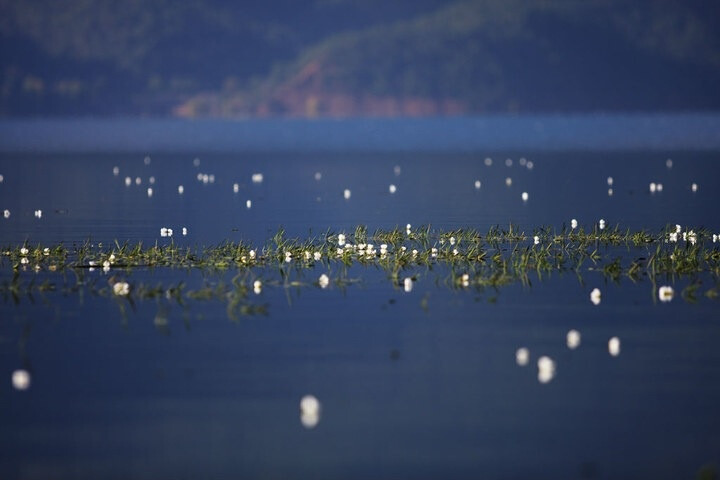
<point x="462" y="258"/>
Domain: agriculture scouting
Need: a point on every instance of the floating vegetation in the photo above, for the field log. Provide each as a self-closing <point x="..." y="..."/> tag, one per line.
<point x="466" y="258"/>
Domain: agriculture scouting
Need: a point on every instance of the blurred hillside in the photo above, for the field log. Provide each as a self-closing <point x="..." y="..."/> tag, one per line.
<point x="353" y="57"/>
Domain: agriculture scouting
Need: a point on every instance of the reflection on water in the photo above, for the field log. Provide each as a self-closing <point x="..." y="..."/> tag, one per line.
<point x="195" y="351"/>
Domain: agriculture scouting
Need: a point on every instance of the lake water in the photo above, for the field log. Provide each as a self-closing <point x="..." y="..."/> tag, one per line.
<point x="419" y="384"/>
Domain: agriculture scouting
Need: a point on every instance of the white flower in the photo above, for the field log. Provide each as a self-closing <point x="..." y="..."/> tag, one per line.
<point x="522" y="356"/>
<point x="307" y="255"/>
<point x="257" y="178"/>
<point x="323" y="281"/>
<point x="488" y="161"/>
<point x="614" y="346"/>
<point x="694" y="187"/>
<point x="678" y="228"/>
<point x="309" y="404"/>
<point x="341" y="239"/>
<point x="184" y="231"/>
<point x="6" y="213"/>
<point x="715" y="237"/>
<point x="452" y="240"/>
<point x="257" y="287"/>
<point x="601" y="224"/>
<point x="546" y="369"/>
<point x="508" y="181"/>
<point x="573" y="224"/>
<point x="383" y="248"/>
<point x="673" y="237"/>
<point x="181" y="189"/>
<point x="465" y="280"/>
<point x="477" y="184"/>
<point x="536" y="240"/>
<point x="252" y="254"/>
<point x="595" y="296"/>
<point x="128" y="181"/>
<point x="21" y="380"/>
<point x="408" y="228"/>
<point x="248" y="204"/>
<point x="106" y="264"/>
<point x="392" y="188"/>
<point x="163" y="232"/>
<point x="309" y="411"/>
<point x="408" y="284"/>
<point x="288" y="257"/>
<point x="433" y="252"/>
<point x="414" y="253"/>
<point x="38" y="213"/>
<point x="24" y="251"/>
<point x="347" y="194"/>
<point x="24" y="261"/>
<point x="525" y="196"/>
<point x="46" y="251"/>
<point x="317" y="256"/>
<point x="653" y="187"/>
<point x="138" y="181"/>
<point x="573" y="339"/>
<point x="610" y="181"/>
<point x="318" y="176"/>
<point x="403" y="248"/>
<point x="666" y="293"/>
<point x="659" y="187"/>
<point x="112" y="258"/>
<point x="121" y="288"/>
<point x="455" y="251"/>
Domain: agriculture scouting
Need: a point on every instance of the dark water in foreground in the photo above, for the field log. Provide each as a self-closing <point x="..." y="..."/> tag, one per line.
<point x="420" y="384"/>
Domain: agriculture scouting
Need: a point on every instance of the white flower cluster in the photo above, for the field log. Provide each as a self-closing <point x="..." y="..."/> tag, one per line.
<point x="656" y="187"/>
<point x="121" y="289"/>
<point x="687" y="236"/>
<point x="205" y="178"/>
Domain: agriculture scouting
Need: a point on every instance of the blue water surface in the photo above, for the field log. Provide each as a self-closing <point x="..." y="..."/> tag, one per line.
<point x="419" y="384"/>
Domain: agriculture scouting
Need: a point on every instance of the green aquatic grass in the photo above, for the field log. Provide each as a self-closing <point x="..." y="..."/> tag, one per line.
<point x="505" y="249"/>
<point x="467" y="257"/>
